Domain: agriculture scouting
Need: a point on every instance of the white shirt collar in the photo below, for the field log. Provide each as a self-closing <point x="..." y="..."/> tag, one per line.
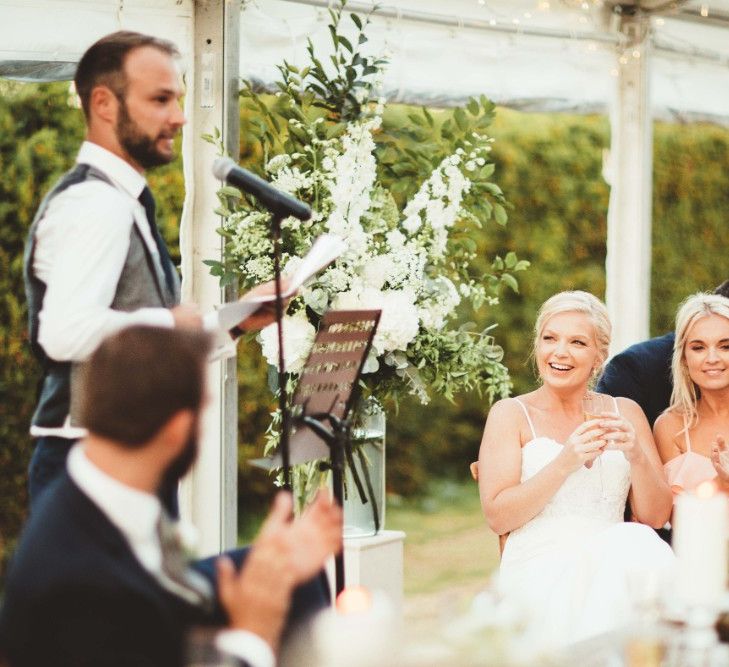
<point x="120" y="171"/>
<point x="135" y="513"/>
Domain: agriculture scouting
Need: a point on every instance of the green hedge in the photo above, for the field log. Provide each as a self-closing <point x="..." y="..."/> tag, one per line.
<point x="549" y="166"/>
<point x="38" y="134"/>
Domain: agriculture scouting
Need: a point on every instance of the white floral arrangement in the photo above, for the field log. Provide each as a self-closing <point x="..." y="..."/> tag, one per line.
<point x="409" y="242"/>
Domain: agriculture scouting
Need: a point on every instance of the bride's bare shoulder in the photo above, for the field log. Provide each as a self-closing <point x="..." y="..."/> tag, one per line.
<point x="508" y="413"/>
<point x="508" y="406"/>
<point x="503" y="424"/>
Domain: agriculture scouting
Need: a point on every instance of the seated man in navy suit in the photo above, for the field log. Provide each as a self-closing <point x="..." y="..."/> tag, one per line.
<point x="99" y="578"/>
<point x="642" y="372"/>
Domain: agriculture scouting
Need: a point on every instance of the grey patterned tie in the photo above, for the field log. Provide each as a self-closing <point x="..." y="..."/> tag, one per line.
<point x="196" y="588"/>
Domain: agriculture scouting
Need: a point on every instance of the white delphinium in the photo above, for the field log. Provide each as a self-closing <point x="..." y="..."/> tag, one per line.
<point x="395" y="239"/>
<point x="355" y="171"/>
<point x="437" y="204"/>
<point x="291" y="180"/>
<point x="442" y="300"/>
<point x="298" y="337"/>
<point x="439" y="244"/>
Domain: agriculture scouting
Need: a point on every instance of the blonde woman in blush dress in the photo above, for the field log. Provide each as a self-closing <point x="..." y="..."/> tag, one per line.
<point x="691" y="434"/>
<point x="557" y="484"/>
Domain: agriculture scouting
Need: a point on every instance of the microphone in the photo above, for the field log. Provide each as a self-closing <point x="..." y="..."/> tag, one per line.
<point x="225" y="169"/>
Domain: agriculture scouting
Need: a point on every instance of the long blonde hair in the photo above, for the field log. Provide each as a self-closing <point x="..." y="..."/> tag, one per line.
<point x="577" y="301"/>
<point x="686" y="395"/>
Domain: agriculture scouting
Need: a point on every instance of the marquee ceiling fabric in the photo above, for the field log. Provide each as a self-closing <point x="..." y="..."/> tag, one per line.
<point x="59" y="31"/>
<point x="529" y="54"/>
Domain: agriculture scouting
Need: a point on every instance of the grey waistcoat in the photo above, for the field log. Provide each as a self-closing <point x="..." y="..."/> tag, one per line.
<point x="141" y="285"/>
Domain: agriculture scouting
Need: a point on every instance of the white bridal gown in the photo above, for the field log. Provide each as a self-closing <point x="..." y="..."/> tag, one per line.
<point x="573" y="565"/>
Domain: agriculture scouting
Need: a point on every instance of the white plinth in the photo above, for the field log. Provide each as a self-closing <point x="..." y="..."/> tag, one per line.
<point x="375" y="563"/>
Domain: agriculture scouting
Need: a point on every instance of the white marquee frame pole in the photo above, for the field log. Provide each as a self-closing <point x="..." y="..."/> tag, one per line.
<point x="628" y="262"/>
<point x="209" y="494"/>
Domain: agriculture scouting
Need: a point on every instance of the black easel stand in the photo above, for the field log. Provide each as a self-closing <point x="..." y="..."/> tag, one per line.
<point x="327" y="388"/>
<point x="340" y="447"/>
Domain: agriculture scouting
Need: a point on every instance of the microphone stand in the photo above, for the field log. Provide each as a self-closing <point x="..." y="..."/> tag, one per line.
<point x="283" y="408"/>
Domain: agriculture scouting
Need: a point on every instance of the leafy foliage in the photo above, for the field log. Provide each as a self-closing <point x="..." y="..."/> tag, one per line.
<point x="306" y="133"/>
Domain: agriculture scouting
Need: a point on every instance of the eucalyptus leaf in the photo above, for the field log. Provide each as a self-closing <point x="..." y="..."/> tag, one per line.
<point x="509" y="280"/>
<point x="500" y="214"/>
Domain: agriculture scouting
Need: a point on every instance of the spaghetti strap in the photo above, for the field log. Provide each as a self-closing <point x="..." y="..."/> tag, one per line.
<point x="686" y="434"/>
<point x="615" y="403"/>
<point x="529" y="419"/>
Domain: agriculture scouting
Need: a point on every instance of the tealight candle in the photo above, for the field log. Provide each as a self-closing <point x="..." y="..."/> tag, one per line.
<point x="359" y="632"/>
<point x="353" y="600"/>
<point x="701" y="522"/>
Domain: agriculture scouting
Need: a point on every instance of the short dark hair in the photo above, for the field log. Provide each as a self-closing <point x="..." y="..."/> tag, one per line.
<point x="138" y="379"/>
<point x="103" y="63"/>
<point x="723" y="289"/>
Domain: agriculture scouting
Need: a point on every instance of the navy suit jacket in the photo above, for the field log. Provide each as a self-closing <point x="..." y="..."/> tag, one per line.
<point x="76" y="596"/>
<point x="642" y="372"/>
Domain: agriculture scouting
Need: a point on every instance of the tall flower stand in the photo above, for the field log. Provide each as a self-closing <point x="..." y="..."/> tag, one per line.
<point x="366" y="519"/>
<point x="373" y="557"/>
<point x="375" y="562"/>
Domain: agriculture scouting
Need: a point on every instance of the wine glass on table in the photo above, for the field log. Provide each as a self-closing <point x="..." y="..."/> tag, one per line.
<point x="598" y="406"/>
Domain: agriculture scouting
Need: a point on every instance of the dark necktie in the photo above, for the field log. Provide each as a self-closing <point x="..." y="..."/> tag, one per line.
<point x="147" y="200"/>
<point x="197" y="589"/>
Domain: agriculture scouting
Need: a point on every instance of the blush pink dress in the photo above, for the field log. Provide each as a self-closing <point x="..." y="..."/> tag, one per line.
<point x="688" y="470"/>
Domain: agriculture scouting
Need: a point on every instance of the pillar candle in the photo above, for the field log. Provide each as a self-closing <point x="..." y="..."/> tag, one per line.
<point x="361" y="631"/>
<point x="701" y="525"/>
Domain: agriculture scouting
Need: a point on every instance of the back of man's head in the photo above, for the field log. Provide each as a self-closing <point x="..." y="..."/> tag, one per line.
<point x="139" y="378"/>
<point x="723" y="289"/>
<point x="103" y="63"/>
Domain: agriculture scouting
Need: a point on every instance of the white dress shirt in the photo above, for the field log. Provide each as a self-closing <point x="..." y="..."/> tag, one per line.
<point x="135" y="514"/>
<point x="81" y="246"/>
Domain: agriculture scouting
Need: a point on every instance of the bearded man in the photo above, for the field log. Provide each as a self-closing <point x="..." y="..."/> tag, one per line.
<point x="99" y="577"/>
<point x="95" y="262"/>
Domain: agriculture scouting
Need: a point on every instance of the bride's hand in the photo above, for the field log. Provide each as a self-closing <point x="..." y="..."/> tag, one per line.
<point x="719" y="447"/>
<point x="620" y="435"/>
<point x="584" y="445"/>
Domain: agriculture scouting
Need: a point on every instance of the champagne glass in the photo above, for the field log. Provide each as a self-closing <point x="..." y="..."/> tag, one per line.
<point x="594" y="406"/>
